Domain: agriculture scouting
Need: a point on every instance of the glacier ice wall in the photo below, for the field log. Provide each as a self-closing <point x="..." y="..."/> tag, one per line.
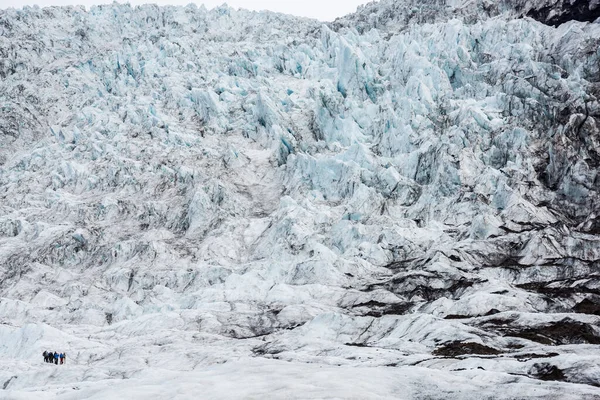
<point x="414" y="184"/>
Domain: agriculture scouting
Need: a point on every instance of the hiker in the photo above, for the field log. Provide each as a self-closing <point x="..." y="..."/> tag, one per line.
<point x="62" y="358"/>
<point x="55" y="358"/>
<point x="45" y="356"/>
<point x="65" y="357"/>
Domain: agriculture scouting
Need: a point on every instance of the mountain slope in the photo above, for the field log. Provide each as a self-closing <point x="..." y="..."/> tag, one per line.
<point x="402" y="188"/>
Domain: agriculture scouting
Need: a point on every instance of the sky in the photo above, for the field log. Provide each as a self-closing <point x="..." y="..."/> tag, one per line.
<point x="324" y="10"/>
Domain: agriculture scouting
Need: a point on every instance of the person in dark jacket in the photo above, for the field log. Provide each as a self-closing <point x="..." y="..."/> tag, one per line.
<point x="56" y="358"/>
<point x="45" y="356"/>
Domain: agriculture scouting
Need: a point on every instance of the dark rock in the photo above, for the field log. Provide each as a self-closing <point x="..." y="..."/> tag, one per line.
<point x="356" y="344"/>
<point x="588" y="306"/>
<point x="569" y="285"/>
<point x="377" y="309"/>
<point x="565" y="331"/>
<point x="457" y="348"/>
<point x="418" y="285"/>
<point x="529" y="356"/>
<point x="6" y="383"/>
<point x="493" y="311"/>
<point x="456" y="316"/>
<point x="546" y="372"/>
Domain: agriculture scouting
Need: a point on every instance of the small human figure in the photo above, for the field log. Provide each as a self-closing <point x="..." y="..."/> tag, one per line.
<point x="62" y="358"/>
<point x="45" y="356"/>
<point x="65" y="357"/>
<point x="55" y="358"/>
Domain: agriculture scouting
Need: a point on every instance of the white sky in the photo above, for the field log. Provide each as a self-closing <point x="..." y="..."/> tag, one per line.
<point x="325" y="10"/>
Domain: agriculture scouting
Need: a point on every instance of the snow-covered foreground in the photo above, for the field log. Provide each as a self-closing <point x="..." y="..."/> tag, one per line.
<point x="168" y="364"/>
<point x="259" y="379"/>
<point x="400" y="204"/>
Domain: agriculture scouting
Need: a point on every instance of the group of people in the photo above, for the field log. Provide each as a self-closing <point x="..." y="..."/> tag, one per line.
<point x="54" y="357"/>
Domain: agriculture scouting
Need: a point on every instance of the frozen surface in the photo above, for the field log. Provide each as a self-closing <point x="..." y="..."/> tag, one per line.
<point x="400" y="204"/>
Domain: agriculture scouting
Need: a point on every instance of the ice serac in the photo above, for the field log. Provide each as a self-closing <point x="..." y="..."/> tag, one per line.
<point x="408" y="192"/>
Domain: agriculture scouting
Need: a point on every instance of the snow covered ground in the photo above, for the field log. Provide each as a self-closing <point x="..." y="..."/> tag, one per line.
<point x="228" y="204"/>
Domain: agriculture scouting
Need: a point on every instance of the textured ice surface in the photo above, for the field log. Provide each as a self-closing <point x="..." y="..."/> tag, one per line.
<point x="400" y="204"/>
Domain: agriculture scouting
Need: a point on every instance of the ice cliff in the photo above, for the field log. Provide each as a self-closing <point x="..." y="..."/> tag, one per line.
<point x="406" y="198"/>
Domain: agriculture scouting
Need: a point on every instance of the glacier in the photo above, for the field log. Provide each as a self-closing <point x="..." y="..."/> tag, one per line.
<point x="402" y="203"/>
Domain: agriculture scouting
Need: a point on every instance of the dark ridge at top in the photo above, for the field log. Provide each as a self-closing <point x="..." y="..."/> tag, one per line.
<point x="385" y="13"/>
<point x="560" y="12"/>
